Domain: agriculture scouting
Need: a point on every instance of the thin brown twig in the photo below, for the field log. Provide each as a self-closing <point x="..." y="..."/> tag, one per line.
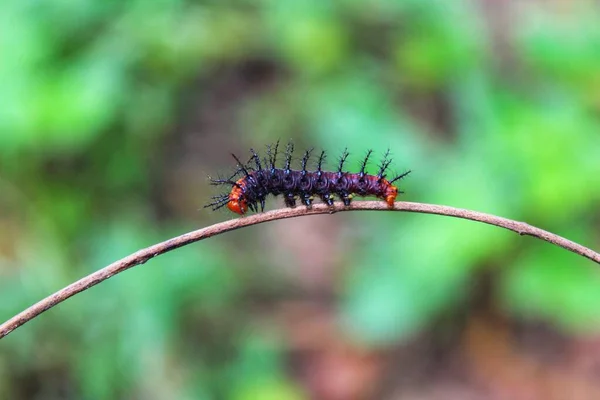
<point x="141" y="256"/>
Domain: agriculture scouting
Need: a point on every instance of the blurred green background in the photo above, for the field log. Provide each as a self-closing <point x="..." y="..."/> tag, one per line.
<point x="113" y="113"/>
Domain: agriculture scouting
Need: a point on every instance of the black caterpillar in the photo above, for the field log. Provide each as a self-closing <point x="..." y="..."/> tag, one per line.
<point x="256" y="183"/>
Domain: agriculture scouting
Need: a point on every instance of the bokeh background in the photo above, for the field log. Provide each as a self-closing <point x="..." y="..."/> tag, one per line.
<point x="113" y="114"/>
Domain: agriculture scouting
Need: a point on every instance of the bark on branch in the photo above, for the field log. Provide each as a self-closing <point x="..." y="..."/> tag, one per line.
<point x="141" y="256"/>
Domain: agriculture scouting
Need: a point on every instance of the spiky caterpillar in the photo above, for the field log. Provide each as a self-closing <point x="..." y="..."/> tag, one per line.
<point x="256" y="183"/>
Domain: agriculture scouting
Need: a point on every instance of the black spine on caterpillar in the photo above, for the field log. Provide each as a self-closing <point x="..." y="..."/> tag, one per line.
<point x="256" y="182"/>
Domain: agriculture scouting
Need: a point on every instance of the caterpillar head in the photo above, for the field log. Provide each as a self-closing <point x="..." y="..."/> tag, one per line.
<point x="237" y="203"/>
<point x="390" y="193"/>
<point x="237" y="199"/>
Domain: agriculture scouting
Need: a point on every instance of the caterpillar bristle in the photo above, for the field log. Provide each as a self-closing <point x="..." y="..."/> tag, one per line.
<point x="384" y="165"/>
<point x="364" y="163"/>
<point x="256" y="159"/>
<point x="320" y="163"/>
<point x="241" y="166"/>
<point x="342" y="160"/>
<point x="305" y="159"/>
<point x="397" y="178"/>
<point x="288" y="155"/>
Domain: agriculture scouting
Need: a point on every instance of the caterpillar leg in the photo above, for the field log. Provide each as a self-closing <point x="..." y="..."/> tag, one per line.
<point x="327" y="198"/>
<point x="289" y="199"/>
<point x="346" y="198"/>
<point x="306" y="199"/>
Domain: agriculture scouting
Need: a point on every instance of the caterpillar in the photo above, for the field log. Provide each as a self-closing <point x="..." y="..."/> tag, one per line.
<point x="263" y="178"/>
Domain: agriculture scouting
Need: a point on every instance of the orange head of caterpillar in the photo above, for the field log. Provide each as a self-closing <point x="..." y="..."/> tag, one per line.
<point x="238" y="206"/>
<point x="237" y="202"/>
<point x="390" y="193"/>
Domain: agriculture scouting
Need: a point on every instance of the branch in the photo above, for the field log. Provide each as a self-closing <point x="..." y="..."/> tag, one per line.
<point x="141" y="256"/>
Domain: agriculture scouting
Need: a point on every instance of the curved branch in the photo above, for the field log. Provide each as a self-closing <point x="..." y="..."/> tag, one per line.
<point x="141" y="256"/>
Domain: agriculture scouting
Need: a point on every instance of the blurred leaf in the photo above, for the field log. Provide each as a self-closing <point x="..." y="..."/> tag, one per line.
<point x="309" y="35"/>
<point x="435" y="46"/>
<point x="258" y="372"/>
<point x="555" y="285"/>
<point x="274" y="390"/>
<point x="563" y="45"/>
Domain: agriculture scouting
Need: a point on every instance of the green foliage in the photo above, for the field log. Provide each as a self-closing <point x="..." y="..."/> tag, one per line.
<point x="102" y="107"/>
